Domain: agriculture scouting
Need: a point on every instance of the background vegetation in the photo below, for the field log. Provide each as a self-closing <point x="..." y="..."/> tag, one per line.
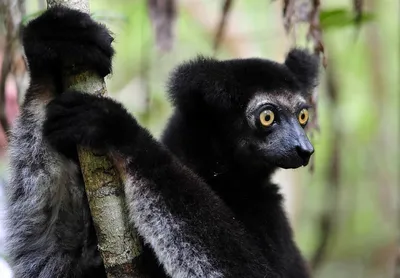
<point x="345" y="212"/>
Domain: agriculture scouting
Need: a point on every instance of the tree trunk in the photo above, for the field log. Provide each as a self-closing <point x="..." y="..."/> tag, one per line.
<point x="118" y="245"/>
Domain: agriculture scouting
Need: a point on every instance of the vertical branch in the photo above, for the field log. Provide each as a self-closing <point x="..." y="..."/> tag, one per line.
<point x="145" y="88"/>
<point x="329" y="216"/>
<point x="18" y="68"/>
<point x="145" y="62"/>
<point x="315" y="31"/>
<point x="289" y="21"/>
<point x="397" y="264"/>
<point x="162" y="15"/>
<point x="288" y="13"/>
<point x="118" y="245"/>
<point x="313" y="126"/>
<point x="383" y="138"/>
<point x="12" y="19"/>
<point x="358" y="6"/>
<point x="3" y="118"/>
<point x="221" y="27"/>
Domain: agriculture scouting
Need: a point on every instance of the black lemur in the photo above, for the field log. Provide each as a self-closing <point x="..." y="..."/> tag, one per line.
<point x="202" y="200"/>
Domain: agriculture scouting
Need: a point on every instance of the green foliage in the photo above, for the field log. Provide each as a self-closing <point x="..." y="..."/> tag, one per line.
<point x="342" y="17"/>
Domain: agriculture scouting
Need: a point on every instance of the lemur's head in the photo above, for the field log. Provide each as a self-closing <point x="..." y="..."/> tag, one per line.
<point x="256" y="109"/>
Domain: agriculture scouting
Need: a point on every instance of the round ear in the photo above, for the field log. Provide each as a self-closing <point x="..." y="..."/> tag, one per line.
<point x="304" y="66"/>
<point x="199" y="82"/>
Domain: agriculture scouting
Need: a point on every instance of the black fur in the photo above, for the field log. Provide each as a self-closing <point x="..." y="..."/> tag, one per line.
<point x="305" y="67"/>
<point x="63" y="39"/>
<point x="202" y="201"/>
<point x="209" y="132"/>
<point x="206" y="83"/>
<point x="207" y="220"/>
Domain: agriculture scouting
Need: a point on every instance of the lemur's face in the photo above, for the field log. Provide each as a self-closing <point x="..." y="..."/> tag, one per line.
<point x="275" y="125"/>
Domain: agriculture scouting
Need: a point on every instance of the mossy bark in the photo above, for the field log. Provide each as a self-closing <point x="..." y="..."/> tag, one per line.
<point x="118" y="244"/>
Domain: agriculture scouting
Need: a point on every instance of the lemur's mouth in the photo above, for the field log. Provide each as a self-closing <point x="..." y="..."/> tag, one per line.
<point x="292" y="162"/>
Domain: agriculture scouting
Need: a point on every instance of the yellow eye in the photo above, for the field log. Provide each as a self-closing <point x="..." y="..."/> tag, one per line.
<point x="303" y="116"/>
<point x="267" y="117"/>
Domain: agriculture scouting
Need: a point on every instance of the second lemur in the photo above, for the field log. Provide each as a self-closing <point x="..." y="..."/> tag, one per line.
<point x="201" y="200"/>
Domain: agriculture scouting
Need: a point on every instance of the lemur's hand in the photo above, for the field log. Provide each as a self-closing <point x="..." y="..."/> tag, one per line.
<point x="63" y="38"/>
<point x="99" y="123"/>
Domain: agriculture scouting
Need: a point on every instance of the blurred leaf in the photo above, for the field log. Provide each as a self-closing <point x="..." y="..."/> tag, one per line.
<point x="226" y="8"/>
<point x="339" y="18"/>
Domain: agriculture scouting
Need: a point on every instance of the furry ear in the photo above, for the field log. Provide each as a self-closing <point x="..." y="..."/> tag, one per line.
<point x="304" y="66"/>
<point x="202" y="81"/>
<point x="226" y="85"/>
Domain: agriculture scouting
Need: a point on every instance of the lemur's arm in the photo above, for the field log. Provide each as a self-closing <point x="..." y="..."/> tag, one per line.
<point x="49" y="229"/>
<point x="191" y="231"/>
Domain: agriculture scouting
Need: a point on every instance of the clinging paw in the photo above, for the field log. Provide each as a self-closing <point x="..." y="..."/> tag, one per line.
<point x="62" y="38"/>
<point x="100" y="123"/>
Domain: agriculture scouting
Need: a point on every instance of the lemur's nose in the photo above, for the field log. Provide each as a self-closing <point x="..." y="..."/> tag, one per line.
<point x="305" y="150"/>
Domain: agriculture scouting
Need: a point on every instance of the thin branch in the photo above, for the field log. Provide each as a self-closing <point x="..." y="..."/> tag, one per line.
<point x="397" y="264"/>
<point x="145" y="82"/>
<point x="288" y="13"/>
<point x="285" y="7"/>
<point x="296" y="12"/>
<point x="145" y="62"/>
<point x="12" y="19"/>
<point x="313" y="126"/>
<point x="227" y="7"/>
<point x="4" y="72"/>
<point x="315" y="31"/>
<point x="329" y="215"/>
<point x="237" y="44"/>
<point x="163" y="16"/>
<point x="358" y="6"/>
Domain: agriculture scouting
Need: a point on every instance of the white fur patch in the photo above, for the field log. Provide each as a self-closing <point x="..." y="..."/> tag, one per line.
<point x="45" y="208"/>
<point x="289" y="101"/>
<point x="163" y="231"/>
